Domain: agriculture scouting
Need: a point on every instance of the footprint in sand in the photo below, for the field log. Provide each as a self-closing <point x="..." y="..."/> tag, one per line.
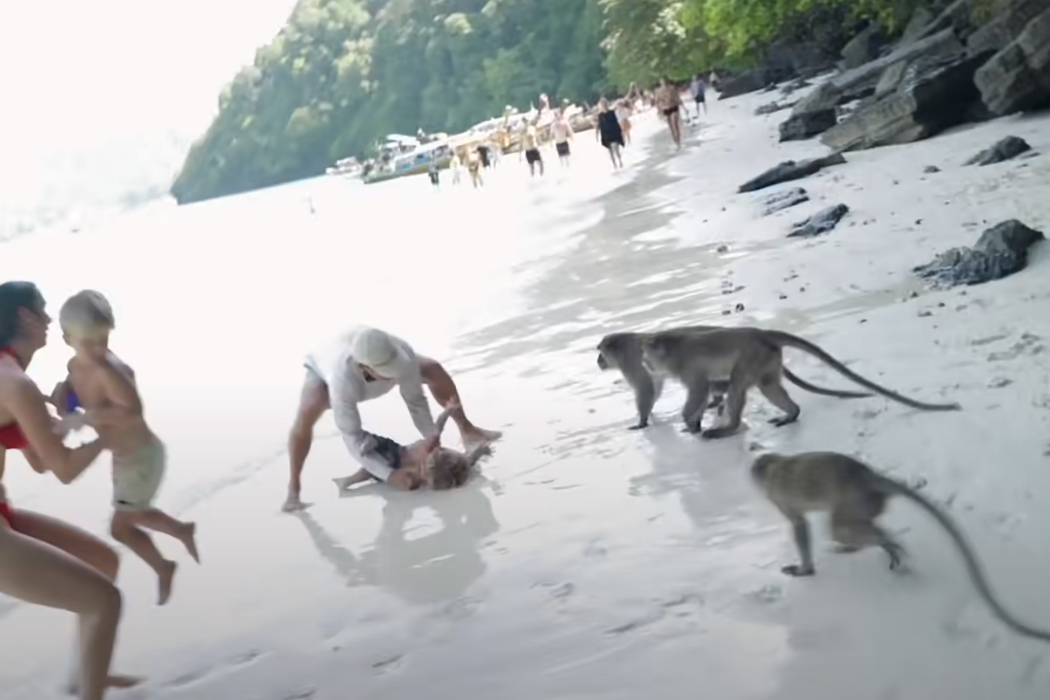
<point x="392" y="664"/>
<point x="198" y="675"/>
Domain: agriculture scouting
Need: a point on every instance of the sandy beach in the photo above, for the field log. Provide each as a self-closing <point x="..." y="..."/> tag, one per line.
<point x="589" y="561"/>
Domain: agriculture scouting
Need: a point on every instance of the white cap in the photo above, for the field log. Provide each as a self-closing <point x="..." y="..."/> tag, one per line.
<point x="376" y="350"/>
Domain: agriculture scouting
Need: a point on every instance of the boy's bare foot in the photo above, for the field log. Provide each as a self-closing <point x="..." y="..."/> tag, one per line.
<point x="165" y="577"/>
<point x="479" y="436"/>
<point x="114" y="681"/>
<point x="292" y="503"/>
<point x="188" y="537"/>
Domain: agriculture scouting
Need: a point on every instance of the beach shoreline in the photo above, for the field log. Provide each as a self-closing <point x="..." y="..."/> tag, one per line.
<point x="590" y="561"/>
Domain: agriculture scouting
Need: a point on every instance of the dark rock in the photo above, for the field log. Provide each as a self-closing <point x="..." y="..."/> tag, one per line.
<point x="782" y="200"/>
<point x="743" y="84"/>
<point x="1017" y="78"/>
<point x="795" y="86"/>
<point x="921" y="18"/>
<point x="861" y="82"/>
<point x="1000" y="251"/>
<point x="821" y="222"/>
<point x="807" y="125"/>
<point x="771" y="107"/>
<point x="934" y="94"/>
<point x="863" y="48"/>
<point x="1009" y="21"/>
<point x="790" y="170"/>
<point x="1004" y="149"/>
<point x="931" y="169"/>
<point x="958" y="17"/>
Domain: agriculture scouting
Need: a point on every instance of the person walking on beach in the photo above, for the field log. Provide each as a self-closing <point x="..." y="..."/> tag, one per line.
<point x="530" y="148"/>
<point x="363" y="364"/>
<point x="623" y="114"/>
<point x="609" y="133"/>
<point x="456" y="166"/>
<point x="699" y="88"/>
<point x="105" y="387"/>
<point x="562" y="132"/>
<point x="474" y="169"/>
<point x="669" y="102"/>
<point x="43" y="560"/>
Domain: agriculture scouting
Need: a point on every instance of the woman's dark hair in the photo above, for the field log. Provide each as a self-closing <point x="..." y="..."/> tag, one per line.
<point x="15" y="296"/>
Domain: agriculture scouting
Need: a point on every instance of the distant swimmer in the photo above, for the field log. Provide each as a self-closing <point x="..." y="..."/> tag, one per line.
<point x="530" y="148"/>
<point x="360" y="365"/>
<point x="609" y="133"/>
<point x="562" y="132"/>
<point x="669" y="102"/>
<point x="699" y="90"/>
<point x="434" y="172"/>
<point x="483" y="154"/>
<point x="456" y="166"/>
<point x="623" y="114"/>
<point x="474" y="168"/>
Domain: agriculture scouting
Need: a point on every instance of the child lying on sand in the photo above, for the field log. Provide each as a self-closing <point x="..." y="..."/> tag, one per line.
<point x="429" y="463"/>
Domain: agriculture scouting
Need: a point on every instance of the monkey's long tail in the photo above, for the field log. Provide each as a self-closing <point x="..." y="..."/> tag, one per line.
<point x="973" y="567"/>
<point x="802" y="383"/>
<point x="788" y="340"/>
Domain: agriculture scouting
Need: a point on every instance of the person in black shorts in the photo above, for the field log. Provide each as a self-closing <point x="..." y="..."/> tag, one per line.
<point x="669" y="102"/>
<point x="530" y="145"/>
<point x="699" y="88"/>
<point x="609" y="132"/>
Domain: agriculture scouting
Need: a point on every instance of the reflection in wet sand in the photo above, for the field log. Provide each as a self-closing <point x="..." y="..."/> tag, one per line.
<point x="427" y="569"/>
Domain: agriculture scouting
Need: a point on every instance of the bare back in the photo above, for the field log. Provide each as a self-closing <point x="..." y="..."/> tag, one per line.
<point x="108" y="388"/>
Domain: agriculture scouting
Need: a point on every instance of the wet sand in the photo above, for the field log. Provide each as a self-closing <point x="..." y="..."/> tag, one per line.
<point x="591" y="561"/>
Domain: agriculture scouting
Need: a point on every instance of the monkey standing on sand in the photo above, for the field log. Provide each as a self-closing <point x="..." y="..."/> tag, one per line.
<point x="749" y="357"/>
<point x="623" y="351"/>
<point x="855" y="495"/>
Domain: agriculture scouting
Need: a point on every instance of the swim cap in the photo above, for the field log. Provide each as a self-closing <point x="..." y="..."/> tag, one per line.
<point x="375" y="349"/>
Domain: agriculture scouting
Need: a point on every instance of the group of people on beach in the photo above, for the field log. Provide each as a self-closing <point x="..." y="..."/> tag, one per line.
<point x="49" y="562"/>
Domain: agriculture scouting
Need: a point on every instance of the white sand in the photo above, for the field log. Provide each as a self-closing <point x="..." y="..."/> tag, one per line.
<point x="593" y="562"/>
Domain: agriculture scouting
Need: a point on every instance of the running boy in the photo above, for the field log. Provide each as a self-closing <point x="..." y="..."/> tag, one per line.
<point x="105" y="387"/>
<point x="429" y="463"/>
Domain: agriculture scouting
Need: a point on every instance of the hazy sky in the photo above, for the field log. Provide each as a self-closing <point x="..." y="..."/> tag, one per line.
<point x="75" y="72"/>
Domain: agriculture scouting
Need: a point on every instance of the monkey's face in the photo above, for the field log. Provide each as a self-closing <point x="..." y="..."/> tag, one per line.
<point x="608" y="350"/>
<point x="602" y="363"/>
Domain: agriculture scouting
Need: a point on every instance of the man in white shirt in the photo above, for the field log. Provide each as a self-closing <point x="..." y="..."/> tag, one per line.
<point x="363" y="364"/>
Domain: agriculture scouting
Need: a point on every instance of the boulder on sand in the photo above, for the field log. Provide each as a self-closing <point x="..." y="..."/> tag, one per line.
<point x="782" y="200"/>
<point x="790" y="170"/>
<point x="1017" y="78"/>
<point x="934" y="93"/>
<point x="1000" y="251"/>
<point x="863" y="48"/>
<point x="821" y="222"/>
<point x="1004" y="149"/>
<point x="742" y="84"/>
<point x="807" y="125"/>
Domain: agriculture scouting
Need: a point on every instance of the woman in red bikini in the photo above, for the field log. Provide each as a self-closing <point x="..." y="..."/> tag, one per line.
<point x="44" y="560"/>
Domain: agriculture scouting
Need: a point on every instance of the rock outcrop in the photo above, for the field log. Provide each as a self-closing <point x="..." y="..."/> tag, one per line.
<point x="1017" y="78"/>
<point x="931" y="95"/>
<point x="1000" y="251"/>
<point x="1004" y="149"/>
<point x="821" y="222"/>
<point x="790" y="170"/>
<point x="808" y="124"/>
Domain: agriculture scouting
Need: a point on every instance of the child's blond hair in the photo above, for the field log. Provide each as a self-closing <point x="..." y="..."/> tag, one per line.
<point x="86" y="314"/>
<point x="449" y="469"/>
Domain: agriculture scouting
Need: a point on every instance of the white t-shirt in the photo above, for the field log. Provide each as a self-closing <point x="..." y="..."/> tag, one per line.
<point x="334" y="364"/>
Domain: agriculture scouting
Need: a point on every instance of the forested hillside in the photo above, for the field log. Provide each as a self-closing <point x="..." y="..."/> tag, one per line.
<point x="342" y="73"/>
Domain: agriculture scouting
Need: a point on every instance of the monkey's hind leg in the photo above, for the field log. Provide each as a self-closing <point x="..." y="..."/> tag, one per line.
<point x="772" y="387"/>
<point x="853" y="534"/>
<point x="800" y="532"/>
<point x="735" y="399"/>
<point x="695" y="404"/>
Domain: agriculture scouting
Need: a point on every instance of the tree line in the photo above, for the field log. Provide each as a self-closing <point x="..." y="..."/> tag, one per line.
<point x="342" y="73"/>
